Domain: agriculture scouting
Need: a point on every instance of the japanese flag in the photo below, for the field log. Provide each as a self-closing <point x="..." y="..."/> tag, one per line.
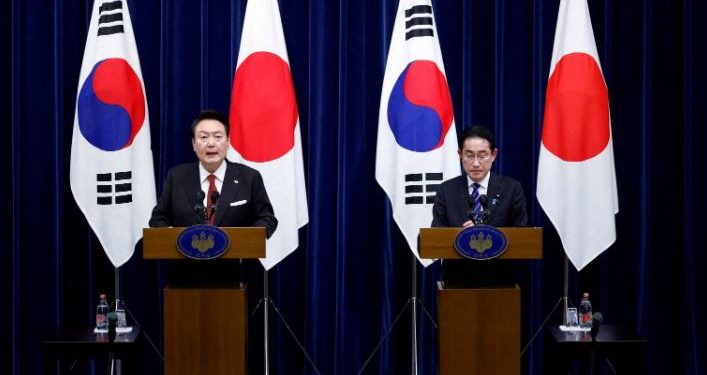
<point x="576" y="177"/>
<point x="265" y="128"/>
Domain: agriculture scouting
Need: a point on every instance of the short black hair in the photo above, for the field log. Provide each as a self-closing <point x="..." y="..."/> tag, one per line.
<point x="478" y="131"/>
<point x="209" y="114"/>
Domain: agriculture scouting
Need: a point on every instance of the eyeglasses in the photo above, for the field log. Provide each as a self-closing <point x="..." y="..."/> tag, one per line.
<point x="204" y="138"/>
<point x="482" y="157"/>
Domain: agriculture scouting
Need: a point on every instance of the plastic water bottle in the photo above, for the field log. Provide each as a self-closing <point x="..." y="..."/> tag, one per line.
<point x="585" y="312"/>
<point x="101" y="311"/>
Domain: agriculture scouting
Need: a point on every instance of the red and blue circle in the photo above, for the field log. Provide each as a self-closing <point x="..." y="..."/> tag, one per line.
<point x="111" y="105"/>
<point x="420" y="108"/>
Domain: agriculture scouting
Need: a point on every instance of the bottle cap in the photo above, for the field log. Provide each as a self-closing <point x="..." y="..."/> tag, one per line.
<point x="102" y="295"/>
<point x="585" y="295"/>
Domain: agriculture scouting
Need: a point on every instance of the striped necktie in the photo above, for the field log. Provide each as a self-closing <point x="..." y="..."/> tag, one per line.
<point x="476" y="203"/>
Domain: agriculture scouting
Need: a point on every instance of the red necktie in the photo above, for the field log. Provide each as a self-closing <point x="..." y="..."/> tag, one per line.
<point x="212" y="188"/>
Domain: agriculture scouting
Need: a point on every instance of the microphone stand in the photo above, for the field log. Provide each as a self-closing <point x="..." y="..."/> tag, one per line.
<point x="593" y="352"/>
<point x="597" y="320"/>
<point x="113" y="364"/>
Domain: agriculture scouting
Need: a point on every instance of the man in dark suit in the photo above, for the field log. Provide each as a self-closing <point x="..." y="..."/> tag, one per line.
<point x="242" y="202"/>
<point x="187" y="195"/>
<point x="457" y="205"/>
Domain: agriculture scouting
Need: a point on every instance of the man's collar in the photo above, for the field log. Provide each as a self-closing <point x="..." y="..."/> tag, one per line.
<point x="220" y="172"/>
<point x="484" y="182"/>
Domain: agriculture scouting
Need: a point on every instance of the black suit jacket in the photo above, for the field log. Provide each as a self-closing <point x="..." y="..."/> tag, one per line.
<point x="180" y="195"/>
<point x="452" y="210"/>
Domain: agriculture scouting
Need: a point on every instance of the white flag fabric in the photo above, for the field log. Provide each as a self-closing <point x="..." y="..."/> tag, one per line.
<point x="576" y="176"/>
<point x="265" y="128"/>
<point x="417" y="142"/>
<point x="112" y="176"/>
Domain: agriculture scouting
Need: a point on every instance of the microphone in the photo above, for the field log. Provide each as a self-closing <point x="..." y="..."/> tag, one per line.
<point x="485" y="213"/>
<point x="214" y="199"/>
<point x="485" y="209"/>
<point x="484" y="199"/>
<point x="470" y="207"/>
<point x="199" y="207"/>
<point x="112" y="323"/>
<point x="597" y="319"/>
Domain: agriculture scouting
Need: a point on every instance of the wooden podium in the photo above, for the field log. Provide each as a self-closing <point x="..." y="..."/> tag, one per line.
<point x="479" y="327"/>
<point x="205" y="329"/>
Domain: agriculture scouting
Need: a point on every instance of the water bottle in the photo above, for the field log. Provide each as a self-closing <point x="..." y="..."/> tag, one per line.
<point x="101" y="312"/>
<point x="585" y="312"/>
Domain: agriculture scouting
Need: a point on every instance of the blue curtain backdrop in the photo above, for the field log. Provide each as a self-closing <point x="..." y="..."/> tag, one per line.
<point x="351" y="276"/>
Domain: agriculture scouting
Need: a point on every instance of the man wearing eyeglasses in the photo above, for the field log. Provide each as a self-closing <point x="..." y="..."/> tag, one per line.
<point x="460" y="202"/>
<point x="478" y="197"/>
<point x="188" y="194"/>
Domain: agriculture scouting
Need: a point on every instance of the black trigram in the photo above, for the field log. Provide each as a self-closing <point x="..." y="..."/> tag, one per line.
<point x="421" y="188"/>
<point x="110" y="18"/>
<point x="114" y="188"/>
<point x="418" y="21"/>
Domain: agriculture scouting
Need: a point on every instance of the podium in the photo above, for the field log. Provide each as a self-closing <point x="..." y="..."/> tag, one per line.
<point x="205" y="328"/>
<point x="479" y="327"/>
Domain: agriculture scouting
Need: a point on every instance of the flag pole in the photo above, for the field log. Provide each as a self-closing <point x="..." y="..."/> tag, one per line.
<point x="266" y="302"/>
<point x="566" y="290"/>
<point x="414" y="316"/>
<point x="266" y="307"/>
<point x="117" y="283"/>
<point x="115" y="364"/>
<point x="412" y="302"/>
<point x="563" y="300"/>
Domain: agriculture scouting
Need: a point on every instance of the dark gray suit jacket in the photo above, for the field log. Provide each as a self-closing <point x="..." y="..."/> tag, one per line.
<point x="180" y="195"/>
<point x="452" y="210"/>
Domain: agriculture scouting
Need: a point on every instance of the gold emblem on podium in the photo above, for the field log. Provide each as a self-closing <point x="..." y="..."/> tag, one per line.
<point x="480" y="243"/>
<point x="201" y="242"/>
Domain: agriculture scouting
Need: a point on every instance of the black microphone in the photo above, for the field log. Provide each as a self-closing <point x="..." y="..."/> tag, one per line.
<point x="597" y="319"/>
<point x="470" y="207"/>
<point x="199" y="207"/>
<point x="214" y="199"/>
<point x="484" y="199"/>
<point x="112" y="323"/>
<point x="485" y="213"/>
